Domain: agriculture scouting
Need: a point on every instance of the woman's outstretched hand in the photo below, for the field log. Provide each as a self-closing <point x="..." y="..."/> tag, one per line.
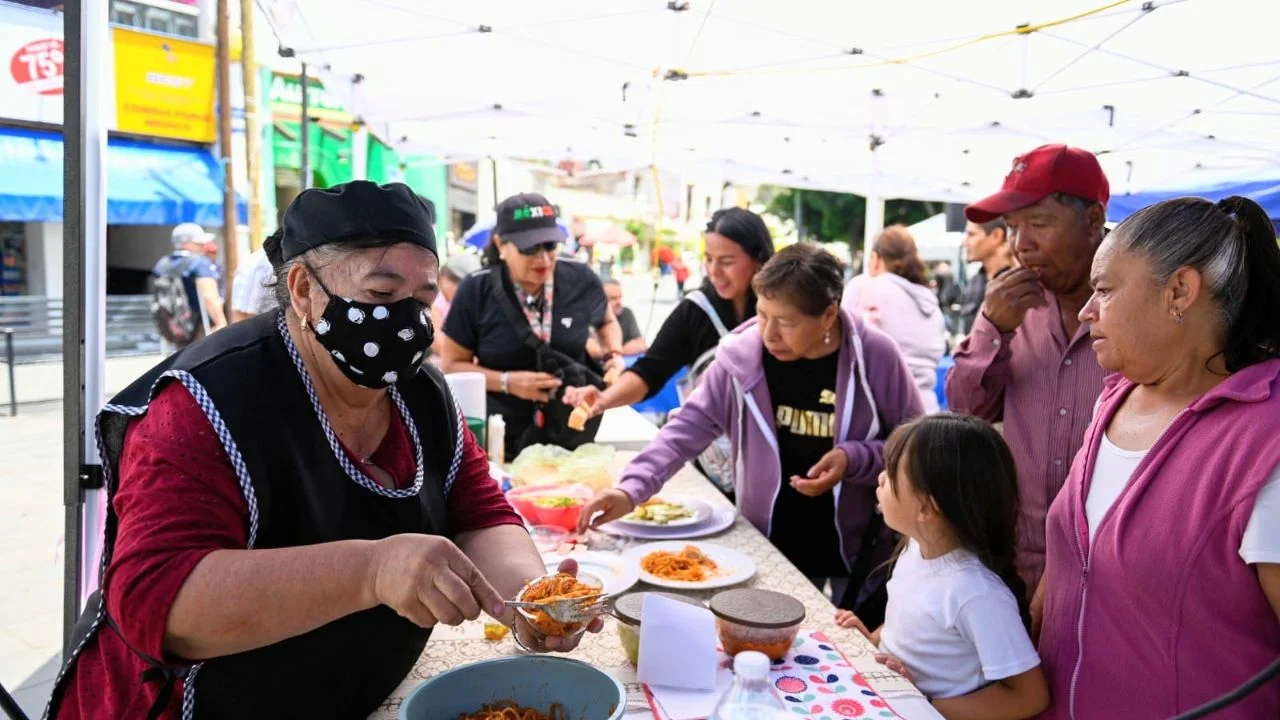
<point x="606" y="506"/>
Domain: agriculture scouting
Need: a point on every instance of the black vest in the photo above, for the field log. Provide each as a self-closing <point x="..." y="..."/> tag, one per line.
<point x="298" y="494"/>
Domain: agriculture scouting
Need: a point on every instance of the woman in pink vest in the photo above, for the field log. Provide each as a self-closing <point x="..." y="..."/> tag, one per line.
<point x="1162" y="585"/>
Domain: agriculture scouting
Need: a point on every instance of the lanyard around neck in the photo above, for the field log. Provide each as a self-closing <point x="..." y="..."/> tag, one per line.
<point x="539" y="320"/>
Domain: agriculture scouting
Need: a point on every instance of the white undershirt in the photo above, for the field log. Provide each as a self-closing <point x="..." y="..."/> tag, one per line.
<point x="1114" y="468"/>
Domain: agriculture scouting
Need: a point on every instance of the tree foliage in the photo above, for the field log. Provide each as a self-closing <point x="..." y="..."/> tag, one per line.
<point x="830" y="216"/>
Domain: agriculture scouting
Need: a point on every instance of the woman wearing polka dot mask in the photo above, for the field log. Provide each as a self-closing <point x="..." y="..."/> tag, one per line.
<point x="373" y="343"/>
<point x="296" y="501"/>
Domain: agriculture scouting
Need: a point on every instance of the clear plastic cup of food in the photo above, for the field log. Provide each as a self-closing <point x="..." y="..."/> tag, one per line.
<point x="553" y="587"/>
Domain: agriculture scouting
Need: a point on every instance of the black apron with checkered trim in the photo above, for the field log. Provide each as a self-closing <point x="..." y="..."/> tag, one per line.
<point x="299" y="494"/>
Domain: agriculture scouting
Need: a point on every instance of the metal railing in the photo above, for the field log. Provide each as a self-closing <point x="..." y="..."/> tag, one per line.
<point x="31" y="326"/>
<point x="10" y="361"/>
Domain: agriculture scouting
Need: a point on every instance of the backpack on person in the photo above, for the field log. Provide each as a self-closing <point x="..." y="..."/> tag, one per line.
<point x="176" y="320"/>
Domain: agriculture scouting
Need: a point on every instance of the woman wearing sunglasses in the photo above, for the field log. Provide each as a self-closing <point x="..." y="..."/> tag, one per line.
<point x="524" y="322"/>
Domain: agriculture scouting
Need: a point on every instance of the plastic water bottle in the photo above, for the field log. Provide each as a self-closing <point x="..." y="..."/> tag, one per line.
<point x="752" y="696"/>
<point x="497" y="432"/>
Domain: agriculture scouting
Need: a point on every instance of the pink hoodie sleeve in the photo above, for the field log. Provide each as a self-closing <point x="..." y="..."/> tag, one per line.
<point x="976" y="384"/>
<point x="704" y="417"/>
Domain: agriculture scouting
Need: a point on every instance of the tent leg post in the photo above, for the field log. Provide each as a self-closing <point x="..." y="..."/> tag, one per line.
<point x="83" y="283"/>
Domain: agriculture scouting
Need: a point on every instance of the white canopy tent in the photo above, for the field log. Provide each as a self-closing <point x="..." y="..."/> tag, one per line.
<point x="914" y="98"/>
<point x="919" y="99"/>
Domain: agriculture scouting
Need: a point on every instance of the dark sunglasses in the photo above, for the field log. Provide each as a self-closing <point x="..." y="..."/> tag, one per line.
<point x="549" y="247"/>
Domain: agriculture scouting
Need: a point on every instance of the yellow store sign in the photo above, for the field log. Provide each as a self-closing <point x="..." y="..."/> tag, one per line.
<point x="164" y="87"/>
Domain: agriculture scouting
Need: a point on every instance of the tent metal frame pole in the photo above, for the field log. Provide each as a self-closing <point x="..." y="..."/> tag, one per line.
<point x="83" y="289"/>
<point x="305" y="165"/>
<point x="230" y="211"/>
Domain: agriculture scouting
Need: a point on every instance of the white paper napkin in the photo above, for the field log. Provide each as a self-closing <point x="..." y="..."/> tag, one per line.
<point x="677" y="645"/>
<point x="680" y="704"/>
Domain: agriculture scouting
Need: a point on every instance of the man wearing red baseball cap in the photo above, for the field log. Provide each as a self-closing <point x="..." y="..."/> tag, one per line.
<point x="1028" y="361"/>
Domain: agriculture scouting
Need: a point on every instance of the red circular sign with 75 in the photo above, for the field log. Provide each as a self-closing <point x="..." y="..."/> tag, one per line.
<point x="37" y="66"/>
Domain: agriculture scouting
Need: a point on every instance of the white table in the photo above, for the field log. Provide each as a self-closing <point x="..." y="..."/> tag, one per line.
<point x="450" y="647"/>
<point x="625" y="429"/>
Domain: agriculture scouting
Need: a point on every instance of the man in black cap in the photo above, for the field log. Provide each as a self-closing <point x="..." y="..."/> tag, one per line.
<point x="296" y="500"/>
<point x="524" y="322"/>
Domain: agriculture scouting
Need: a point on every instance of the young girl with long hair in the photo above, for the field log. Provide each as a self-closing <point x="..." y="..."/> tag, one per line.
<point x="957" y="618"/>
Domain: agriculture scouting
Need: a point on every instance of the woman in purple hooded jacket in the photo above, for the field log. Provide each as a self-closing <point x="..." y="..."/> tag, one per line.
<point x="806" y="394"/>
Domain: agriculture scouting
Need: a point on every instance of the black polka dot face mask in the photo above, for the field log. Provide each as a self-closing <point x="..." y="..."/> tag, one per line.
<point x="375" y="344"/>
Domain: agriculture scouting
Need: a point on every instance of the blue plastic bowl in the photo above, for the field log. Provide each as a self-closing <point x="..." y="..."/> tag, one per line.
<point x="534" y="681"/>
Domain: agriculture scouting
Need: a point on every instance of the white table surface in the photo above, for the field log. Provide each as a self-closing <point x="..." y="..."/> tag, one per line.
<point x="625" y="429"/>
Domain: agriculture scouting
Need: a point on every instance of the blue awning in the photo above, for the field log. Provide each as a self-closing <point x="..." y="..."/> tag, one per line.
<point x="1264" y="190"/>
<point x="147" y="184"/>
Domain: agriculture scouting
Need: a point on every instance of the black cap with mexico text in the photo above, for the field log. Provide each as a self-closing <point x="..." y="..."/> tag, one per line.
<point x="528" y="220"/>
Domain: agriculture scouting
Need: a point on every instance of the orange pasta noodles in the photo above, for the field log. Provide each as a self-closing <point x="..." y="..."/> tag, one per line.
<point x="556" y="587"/>
<point x="688" y="565"/>
<point x="510" y="711"/>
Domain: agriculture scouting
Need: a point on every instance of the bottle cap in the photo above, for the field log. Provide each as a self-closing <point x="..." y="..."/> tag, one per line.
<point x="751" y="665"/>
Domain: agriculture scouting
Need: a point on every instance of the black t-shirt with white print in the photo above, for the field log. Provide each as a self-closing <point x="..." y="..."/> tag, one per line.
<point x="803" y="393"/>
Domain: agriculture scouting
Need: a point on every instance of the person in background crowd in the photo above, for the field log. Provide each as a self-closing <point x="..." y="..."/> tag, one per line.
<point x="834" y="389"/>
<point x="985" y="243"/>
<point x="295" y="501"/>
<point x="681" y="272"/>
<point x="665" y="256"/>
<point x="893" y="296"/>
<point x="947" y="287"/>
<point x="455" y="270"/>
<point x="738" y="245"/>
<point x="252" y="292"/>
<point x="189" y="302"/>
<point x="1170" y="518"/>
<point x="958" y="616"/>
<point x="524" y="322"/>
<point x="633" y="342"/>
<point x="1028" y="361"/>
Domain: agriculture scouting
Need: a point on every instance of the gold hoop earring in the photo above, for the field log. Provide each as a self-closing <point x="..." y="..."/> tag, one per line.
<point x="303" y="322"/>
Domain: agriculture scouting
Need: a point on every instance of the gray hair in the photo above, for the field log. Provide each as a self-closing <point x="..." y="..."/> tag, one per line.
<point x="315" y="258"/>
<point x="997" y="224"/>
<point x="1077" y="204"/>
<point x="1232" y="244"/>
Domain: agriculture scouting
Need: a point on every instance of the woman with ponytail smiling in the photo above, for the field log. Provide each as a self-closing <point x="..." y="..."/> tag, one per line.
<point x="1162" y="585"/>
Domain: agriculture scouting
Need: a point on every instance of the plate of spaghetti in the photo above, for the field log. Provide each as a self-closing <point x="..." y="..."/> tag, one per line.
<point x="557" y="587"/>
<point x="510" y="711"/>
<point x="690" y="566"/>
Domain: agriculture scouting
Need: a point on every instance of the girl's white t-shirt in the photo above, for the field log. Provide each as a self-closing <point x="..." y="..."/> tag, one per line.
<point x="954" y="623"/>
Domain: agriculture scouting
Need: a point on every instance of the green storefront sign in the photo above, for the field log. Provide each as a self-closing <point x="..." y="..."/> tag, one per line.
<point x="286" y="99"/>
<point x="330" y="151"/>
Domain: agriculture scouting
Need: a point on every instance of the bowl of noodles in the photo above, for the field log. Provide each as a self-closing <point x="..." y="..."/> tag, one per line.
<point x="558" y="587"/>
<point x="527" y="687"/>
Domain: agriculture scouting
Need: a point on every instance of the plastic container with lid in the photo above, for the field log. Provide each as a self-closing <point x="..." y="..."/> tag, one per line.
<point x="628" y="609"/>
<point x="760" y="620"/>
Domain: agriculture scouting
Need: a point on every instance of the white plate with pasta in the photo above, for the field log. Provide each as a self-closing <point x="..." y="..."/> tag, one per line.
<point x="682" y="565"/>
